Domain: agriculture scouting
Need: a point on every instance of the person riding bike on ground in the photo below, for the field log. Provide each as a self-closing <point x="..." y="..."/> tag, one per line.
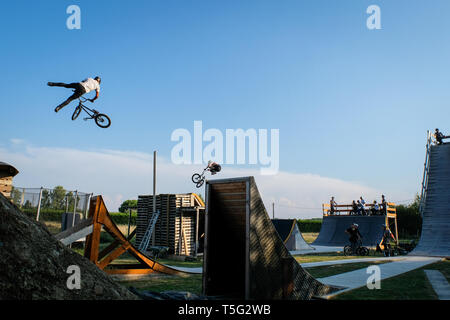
<point x="355" y="236"/>
<point x="387" y="235"/>
<point x="213" y="167"/>
<point x="81" y="88"/>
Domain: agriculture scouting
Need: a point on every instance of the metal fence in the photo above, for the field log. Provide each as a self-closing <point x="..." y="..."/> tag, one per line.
<point x="48" y="205"/>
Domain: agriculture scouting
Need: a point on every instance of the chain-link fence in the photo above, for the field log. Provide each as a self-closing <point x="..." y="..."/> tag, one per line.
<point x="49" y="205"/>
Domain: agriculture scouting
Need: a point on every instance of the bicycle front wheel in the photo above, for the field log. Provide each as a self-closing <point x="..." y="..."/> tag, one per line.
<point x="102" y="120"/>
<point x="76" y="113"/>
<point x="196" y="178"/>
<point x="348" y="250"/>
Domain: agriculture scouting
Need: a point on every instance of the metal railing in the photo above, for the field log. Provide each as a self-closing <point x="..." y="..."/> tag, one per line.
<point x="426" y="169"/>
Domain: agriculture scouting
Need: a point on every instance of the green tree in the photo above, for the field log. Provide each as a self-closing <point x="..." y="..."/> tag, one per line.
<point x="58" y="197"/>
<point x="408" y="218"/>
<point x="16" y="196"/>
<point x="127" y="204"/>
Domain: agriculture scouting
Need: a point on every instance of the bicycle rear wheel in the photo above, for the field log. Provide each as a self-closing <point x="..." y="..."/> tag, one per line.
<point x="200" y="183"/>
<point x="102" y="120"/>
<point x="76" y="113"/>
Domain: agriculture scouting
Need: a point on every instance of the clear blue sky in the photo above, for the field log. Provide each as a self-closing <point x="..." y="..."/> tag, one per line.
<point x="350" y="103"/>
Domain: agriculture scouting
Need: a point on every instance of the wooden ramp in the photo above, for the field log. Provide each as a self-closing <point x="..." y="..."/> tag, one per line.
<point x="99" y="218"/>
<point x="244" y="257"/>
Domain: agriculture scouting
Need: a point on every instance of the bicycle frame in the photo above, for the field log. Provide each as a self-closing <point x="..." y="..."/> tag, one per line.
<point x="91" y="112"/>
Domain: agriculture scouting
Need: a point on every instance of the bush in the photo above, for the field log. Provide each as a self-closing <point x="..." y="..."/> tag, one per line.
<point x="122" y="217"/>
<point x="309" y="225"/>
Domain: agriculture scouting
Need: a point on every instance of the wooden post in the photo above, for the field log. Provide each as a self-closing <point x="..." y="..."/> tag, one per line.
<point x="129" y="222"/>
<point x="273" y="210"/>
<point x="196" y="231"/>
<point x="39" y="204"/>
<point x="74" y="208"/>
<point x="22" y="198"/>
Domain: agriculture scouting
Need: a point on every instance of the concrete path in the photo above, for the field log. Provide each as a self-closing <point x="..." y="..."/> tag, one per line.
<point x="317" y="249"/>
<point x="196" y="270"/>
<point x="439" y="283"/>
<point x="358" y="278"/>
<point x="345" y="261"/>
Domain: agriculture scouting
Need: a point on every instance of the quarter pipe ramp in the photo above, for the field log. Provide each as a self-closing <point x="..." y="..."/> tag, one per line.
<point x="332" y="232"/>
<point x="244" y="257"/>
<point x="290" y="234"/>
<point x="435" y="237"/>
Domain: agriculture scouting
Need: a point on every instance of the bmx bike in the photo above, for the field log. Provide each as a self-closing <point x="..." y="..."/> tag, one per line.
<point x="199" y="179"/>
<point x="102" y="120"/>
<point x="360" y="250"/>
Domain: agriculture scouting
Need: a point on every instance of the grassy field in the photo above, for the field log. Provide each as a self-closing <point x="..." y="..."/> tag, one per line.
<point x="310" y="236"/>
<point x="412" y="285"/>
<point x="327" y="271"/>
<point x="191" y="283"/>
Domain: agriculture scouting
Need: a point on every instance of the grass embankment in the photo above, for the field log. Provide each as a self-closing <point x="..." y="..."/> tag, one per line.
<point x="191" y="283"/>
<point x="413" y="285"/>
<point x="327" y="271"/>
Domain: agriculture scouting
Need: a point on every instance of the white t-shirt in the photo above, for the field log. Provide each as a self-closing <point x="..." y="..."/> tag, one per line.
<point x="90" y="84"/>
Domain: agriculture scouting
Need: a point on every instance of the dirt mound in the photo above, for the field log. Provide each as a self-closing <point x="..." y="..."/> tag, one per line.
<point x="34" y="265"/>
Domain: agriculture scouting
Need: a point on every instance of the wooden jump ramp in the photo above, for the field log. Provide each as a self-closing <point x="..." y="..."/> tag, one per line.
<point x="244" y="256"/>
<point x="91" y="228"/>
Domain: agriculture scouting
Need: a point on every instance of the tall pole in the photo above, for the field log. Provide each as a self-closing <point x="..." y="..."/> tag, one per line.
<point x="154" y="192"/>
<point x="39" y="204"/>
<point x="273" y="210"/>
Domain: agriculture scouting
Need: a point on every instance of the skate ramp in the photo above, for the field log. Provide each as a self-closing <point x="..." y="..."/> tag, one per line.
<point x="244" y="256"/>
<point x="332" y="232"/>
<point x="435" y="236"/>
<point x="290" y="234"/>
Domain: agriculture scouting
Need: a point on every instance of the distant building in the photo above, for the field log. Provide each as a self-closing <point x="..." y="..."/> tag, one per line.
<point x="7" y="173"/>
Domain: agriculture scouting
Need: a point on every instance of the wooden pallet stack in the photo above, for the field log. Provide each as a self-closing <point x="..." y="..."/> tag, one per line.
<point x="177" y="225"/>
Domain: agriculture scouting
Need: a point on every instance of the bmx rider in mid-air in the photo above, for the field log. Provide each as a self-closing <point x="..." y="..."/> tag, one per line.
<point x="80" y="89"/>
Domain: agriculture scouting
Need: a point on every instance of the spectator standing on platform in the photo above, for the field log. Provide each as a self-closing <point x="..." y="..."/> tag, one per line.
<point x="383" y="205"/>
<point x="333" y="205"/>
<point x="363" y="203"/>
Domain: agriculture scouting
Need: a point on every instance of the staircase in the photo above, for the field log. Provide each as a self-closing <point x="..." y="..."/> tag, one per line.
<point x="435" y="207"/>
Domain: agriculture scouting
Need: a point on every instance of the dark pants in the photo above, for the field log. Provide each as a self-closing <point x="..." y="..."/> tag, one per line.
<point x="353" y="243"/>
<point x="79" y="91"/>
